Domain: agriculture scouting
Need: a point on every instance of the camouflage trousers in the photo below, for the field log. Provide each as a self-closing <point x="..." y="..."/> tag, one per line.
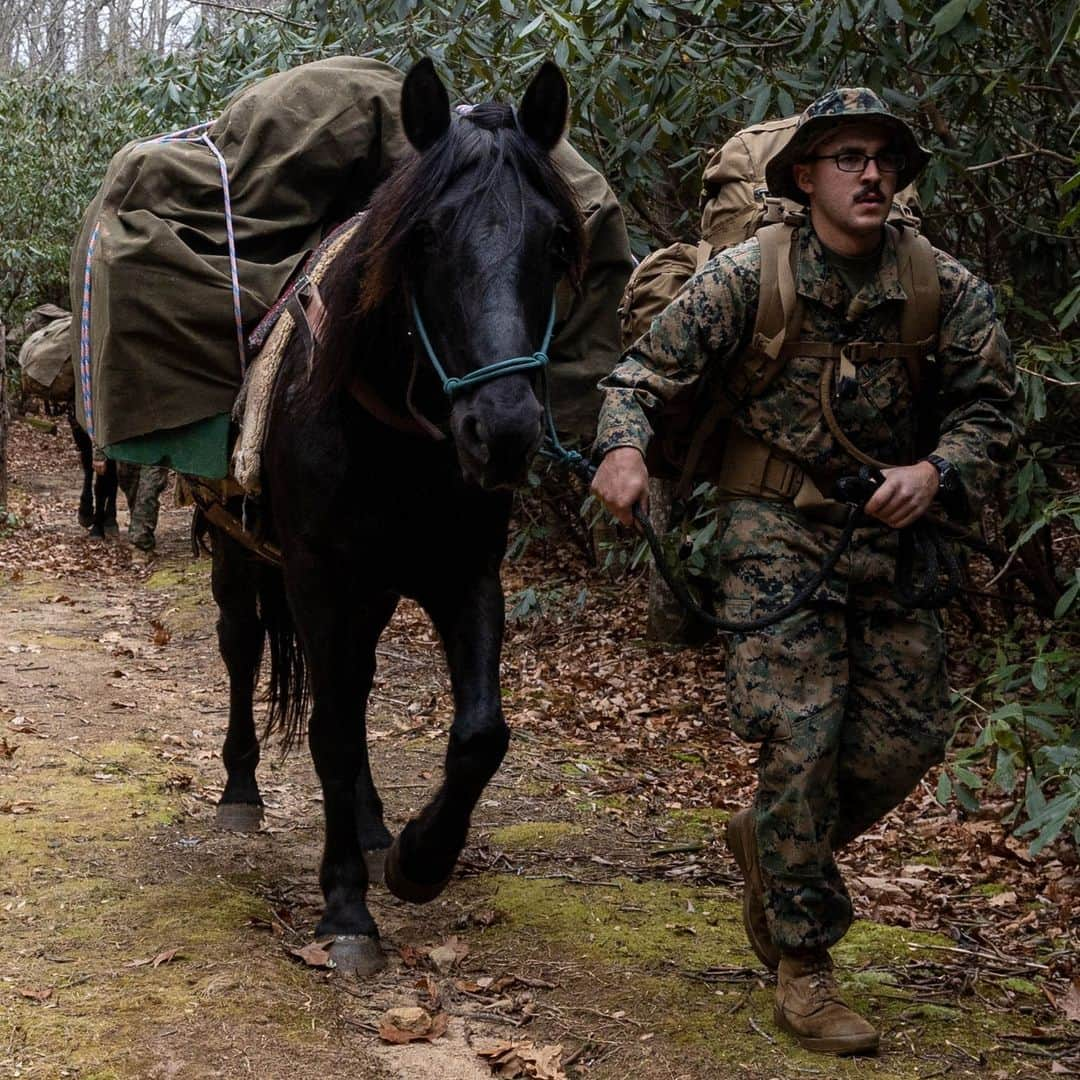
<point x="143" y="485"/>
<point x="847" y="699"/>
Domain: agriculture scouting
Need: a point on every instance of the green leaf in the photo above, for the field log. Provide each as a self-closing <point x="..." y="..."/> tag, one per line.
<point x="944" y="788"/>
<point x="949" y="17"/>
<point x="1040" y="675"/>
<point x="1066" y="600"/>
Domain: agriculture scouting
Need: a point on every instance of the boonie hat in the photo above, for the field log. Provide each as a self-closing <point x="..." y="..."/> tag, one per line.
<point x="848" y="104"/>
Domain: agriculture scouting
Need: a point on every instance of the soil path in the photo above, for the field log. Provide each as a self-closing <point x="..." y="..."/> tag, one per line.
<point x="138" y="941"/>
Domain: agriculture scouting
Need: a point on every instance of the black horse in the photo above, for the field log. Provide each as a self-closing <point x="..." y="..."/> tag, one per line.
<point x="383" y="481"/>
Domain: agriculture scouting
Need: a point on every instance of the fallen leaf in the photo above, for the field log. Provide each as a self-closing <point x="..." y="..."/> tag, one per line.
<point x="7" y="750"/>
<point x="161" y="635"/>
<point x="1002" y="899"/>
<point x="314" y="953"/>
<point x="410" y="1023"/>
<point x="1070" y="1003"/>
<point x="35" y="995"/>
<point x="448" y="955"/>
<point x="17" y="808"/>
<point x="154" y="961"/>
<point x="523" y="1059"/>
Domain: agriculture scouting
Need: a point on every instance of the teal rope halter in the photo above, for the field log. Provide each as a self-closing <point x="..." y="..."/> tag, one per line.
<point x="539" y="359"/>
<point x="453" y="386"/>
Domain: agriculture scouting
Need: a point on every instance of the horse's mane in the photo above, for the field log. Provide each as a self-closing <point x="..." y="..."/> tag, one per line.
<point x="367" y="277"/>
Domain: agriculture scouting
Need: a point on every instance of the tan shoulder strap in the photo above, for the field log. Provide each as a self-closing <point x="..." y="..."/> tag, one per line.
<point x="779" y="311"/>
<point x="704" y="254"/>
<point x="919" y="277"/>
<point x="921" y="318"/>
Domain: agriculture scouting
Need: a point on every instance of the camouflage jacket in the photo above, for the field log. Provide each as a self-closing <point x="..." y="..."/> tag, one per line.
<point x="707" y="327"/>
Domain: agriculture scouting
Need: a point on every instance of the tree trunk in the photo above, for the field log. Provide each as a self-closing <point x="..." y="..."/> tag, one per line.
<point x="3" y="418"/>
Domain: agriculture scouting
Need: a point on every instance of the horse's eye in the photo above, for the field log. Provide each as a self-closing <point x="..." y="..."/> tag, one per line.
<point x="562" y="245"/>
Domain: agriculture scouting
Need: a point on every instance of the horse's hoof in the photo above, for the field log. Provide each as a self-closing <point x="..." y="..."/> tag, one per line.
<point x="239" y="816"/>
<point x="85" y="519"/>
<point x="375" y="860"/>
<point x="415" y="892"/>
<point x="97" y="534"/>
<point x="357" y="954"/>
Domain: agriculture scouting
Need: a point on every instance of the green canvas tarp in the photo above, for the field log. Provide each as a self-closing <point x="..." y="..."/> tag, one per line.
<point x="303" y="150"/>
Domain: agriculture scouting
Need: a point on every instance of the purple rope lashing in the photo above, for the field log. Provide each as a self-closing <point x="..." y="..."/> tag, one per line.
<point x="84" y="338"/>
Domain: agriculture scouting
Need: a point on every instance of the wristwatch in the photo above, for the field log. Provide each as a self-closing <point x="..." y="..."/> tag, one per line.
<point x="949" y="483"/>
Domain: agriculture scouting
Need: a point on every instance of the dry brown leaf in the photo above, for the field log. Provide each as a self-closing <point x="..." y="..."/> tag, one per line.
<point x="17" y="808"/>
<point x="161" y="634"/>
<point x="448" y="955"/>
<point x="7" y="750"/>
<point x="164" y="957"/>
<point x="1069" y="1003"/>
<point x="314" y="953"/>
<point x="410" y="1023"/>
<point x="1002" y="899"/>
<point x="35" y="995"/>
<point x="522" y="1059"/>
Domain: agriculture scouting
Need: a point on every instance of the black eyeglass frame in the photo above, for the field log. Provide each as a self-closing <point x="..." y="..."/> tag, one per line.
<point x="898" y="160"/>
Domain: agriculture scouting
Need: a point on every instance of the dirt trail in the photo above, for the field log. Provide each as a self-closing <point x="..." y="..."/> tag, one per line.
<point x="138" y="941"/>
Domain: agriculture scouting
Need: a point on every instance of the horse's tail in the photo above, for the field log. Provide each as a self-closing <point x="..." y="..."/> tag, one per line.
<point x="288" y="691"/>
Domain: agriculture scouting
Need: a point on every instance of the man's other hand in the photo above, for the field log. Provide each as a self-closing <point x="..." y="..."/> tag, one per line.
<point x="905" y="495"/>
<point x="622" y="480"/>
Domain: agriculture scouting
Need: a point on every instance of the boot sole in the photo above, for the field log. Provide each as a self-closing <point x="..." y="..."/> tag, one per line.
<point x="836" y="1044"/>
<point x="769" y="955"/>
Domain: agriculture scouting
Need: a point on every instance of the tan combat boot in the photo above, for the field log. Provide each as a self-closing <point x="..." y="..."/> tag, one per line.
<point x="808" y="1006"/>
<point x="742" y="842"/>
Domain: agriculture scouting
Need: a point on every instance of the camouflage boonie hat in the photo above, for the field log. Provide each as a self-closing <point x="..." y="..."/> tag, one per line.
<point x="849" y="104"/>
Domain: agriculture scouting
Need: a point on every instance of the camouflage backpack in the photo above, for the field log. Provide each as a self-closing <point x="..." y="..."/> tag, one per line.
<point x="736" y="205"/>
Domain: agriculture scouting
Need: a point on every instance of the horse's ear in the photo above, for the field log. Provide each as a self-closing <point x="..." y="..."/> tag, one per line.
<point x="545" y="106"/>
<point x="425" y="105"/>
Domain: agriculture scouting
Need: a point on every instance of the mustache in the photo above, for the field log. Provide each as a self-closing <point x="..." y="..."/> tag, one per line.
<point x="870" y="188"/>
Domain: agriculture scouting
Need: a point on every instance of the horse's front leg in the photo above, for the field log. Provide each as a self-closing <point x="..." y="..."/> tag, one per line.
<point x="339" y="634"/>
<point x="469" y="619"/>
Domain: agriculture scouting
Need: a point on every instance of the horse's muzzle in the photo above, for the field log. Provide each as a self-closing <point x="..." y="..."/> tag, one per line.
<point x="497" y="434"/>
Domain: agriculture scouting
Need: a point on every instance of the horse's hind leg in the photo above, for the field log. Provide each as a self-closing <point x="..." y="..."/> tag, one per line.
<point x="86" y="459"/>
<point x="104" y="501"/>
<point x="235" y="580"/>
<point x="470" y="622"/>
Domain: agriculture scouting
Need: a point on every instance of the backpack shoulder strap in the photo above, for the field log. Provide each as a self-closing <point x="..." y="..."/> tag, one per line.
<point x="919" y="276"/>
<point x="920" y="321"/>
<point x="779" y="312"/>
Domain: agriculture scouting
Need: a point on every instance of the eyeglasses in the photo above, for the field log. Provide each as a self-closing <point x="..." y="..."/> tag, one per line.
<point x="886" y="161"/>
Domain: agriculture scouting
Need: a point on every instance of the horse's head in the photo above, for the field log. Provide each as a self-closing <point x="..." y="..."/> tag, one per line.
<point x="493" y="228"/>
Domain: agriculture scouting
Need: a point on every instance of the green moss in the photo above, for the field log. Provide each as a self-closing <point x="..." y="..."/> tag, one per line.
<point x="582" y="766"/>
<point x="989" y="889"/>
<point x="657" y="929"/>
<point x="187" y="586"/>
<point x="697" y="825"/>
<point x="1021" y="986"/>
<point x="688" y="758"/>
<point x="534" y="834"/>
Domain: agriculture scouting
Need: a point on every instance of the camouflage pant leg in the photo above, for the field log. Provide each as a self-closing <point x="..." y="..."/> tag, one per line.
<point x="819" y="691"/>
<point x="898" y="705"/>
<point x="145" y="505"/>
<point x="127" y="476"/>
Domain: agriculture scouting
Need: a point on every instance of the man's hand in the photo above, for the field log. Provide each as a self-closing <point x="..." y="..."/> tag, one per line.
<point x="905" y="495"/>
<point x="622" y="480"/>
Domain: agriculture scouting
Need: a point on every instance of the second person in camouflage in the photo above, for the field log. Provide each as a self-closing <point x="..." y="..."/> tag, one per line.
<point x="847" y="697"/>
